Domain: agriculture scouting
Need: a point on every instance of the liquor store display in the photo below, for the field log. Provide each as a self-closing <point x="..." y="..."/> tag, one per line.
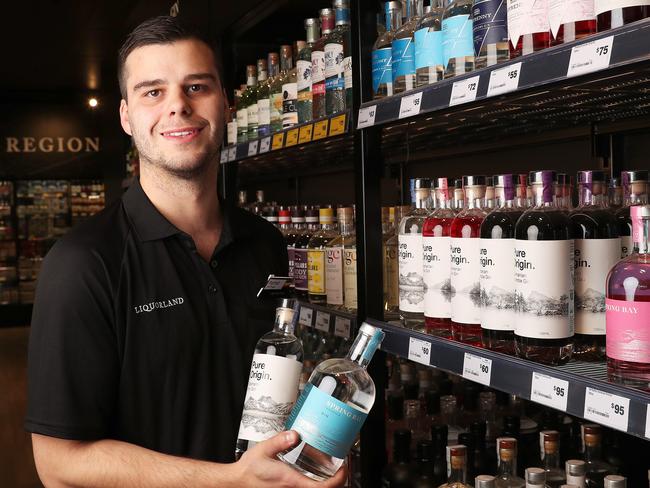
<point x="544" y="67"/>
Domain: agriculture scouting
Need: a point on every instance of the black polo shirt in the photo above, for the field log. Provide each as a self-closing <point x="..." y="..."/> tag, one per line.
<point x="135" y="337"/>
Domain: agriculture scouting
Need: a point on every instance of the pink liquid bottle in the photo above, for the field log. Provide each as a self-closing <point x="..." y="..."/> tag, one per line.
<point x="612" y="14"/>
<point x="465" y="267"/>
<point x="635" y="192"/>
<point x="528" y="26"/>
<point x="437" y="269"/>
<point x="628" y="309"/>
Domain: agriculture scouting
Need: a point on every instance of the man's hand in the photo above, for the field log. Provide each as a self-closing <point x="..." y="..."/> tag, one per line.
<point x="259" y="467"/>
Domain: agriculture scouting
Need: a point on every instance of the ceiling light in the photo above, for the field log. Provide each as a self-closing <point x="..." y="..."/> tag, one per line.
<point x="92" y="102"/>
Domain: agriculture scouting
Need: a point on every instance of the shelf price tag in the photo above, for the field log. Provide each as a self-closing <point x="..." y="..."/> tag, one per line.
<point x="607" y="409"/>
<point x="549" y="391"/>
<point x="647" y="422"/>
<point x="419" y="351"/>
<point x="224" y="156"/>
<point x="342" y="327"/>
<point x="252" y="148"/>
<point x="232" y="153"/>
<point x="265" y="144"/>
<point x="320" y="129"/>
<point x="477" y="368"/>
<point x="410" y="105"/>
<point x="366" y="117"/>
<point x="322" y="321"/>
<point x="292" y="138"/>
<point x="278" y="140"/>
<point x="305" y="133"/>
<point x="464" y="91"/>
<point x="337" y="125"/>
<point x="591" y="56"/>
<point x="305" y="317"/>
<point x="504" y="80"/>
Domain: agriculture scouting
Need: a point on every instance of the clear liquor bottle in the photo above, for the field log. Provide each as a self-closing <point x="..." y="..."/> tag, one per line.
<point x="298" y="226"/>
<point x="349" y="263"/>
<point x="411" y="281"/>
<point x="316" y="271"/>
<point x="284" y="221"/>
<point x="528" y="27"/>
<point x="382" y="74"/>
<point x="300" y="273"/>
<point x="403" y="49"/>
<point x="275" y="92"/>
<point x="456" y="467"/>
<point x="628" y="291"/>
<point x="263" y="101"/>
<point x="436" y="233"/>
<point x="496" y="280"/>
<point x="465" y="264"/>
<point x="449" y="417"/>
<point x="597" y="249"/>
<point x="490" y="28"/>
<point x="242" y="113"/>
<point x="535" y="478"/>
<point x="489" y="193"/>
<point x="335" y="258"/>
<point x="318" y="64"/>
<point x="563" y="191"/>
<point x="303" y="66"/>
<point x="338" y="62"/>
<point x="399" y="471"/>
<point x="612" y="14"/>
<point x="575" y="470"/>
<point x="391" y="264"/>
<point x="251" y="107"/>
<point x="289" y="88"/>
<point x="615" y="194"/>
<point x="571" y="20"/>
<point x="544" y="277"/>
<point x="345" y="391"/>
<point x="507" y="470"/>
<point x="596" y="468"/>
<point x="273" y="381"/>
<point x="429" y="63"/>
<point x="635" y="192"/>
<point x="231" y="133"/>
<point x="550" y="451"/>
<point x="439" y="437"/>
<point x="457" y="38"/>
<point x="425" y="477"/>
<point x="459" y="195"/>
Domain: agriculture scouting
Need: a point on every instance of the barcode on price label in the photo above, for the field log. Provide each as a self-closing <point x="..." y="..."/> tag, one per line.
<point x="252" y="148"/>
<point x="464" y="91"/>
<point x="607" y="409"/>
<point x="366" y="117"/>
<point x="504" y="80"/>
<point x="591" y="56"/>
<point x="420" y="351"/>
<point x="305" y="316"/>
<point x="232" y="153"/>
<point x="549" y="391"/>
<point x="477" y="368"/>
<point x="322" y="321"/>
<point x="342" y="327"/>
<point x="410" y="105"/>
<point x="265" y="145"/>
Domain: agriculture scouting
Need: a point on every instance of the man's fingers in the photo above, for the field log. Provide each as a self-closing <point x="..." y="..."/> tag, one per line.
<point x="337" y="480"/>
<point x="278" y="443"/>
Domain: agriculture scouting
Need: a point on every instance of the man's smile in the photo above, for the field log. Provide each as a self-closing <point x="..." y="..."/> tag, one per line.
<point x="182" y="134"/>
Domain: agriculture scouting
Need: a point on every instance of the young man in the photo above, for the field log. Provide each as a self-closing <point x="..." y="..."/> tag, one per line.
<point x="146" y="319"/>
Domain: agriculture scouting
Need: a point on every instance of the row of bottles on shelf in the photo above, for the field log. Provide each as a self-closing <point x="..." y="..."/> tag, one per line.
<point x="505" y="278"/>
<point x="310" y="80"/>
<point x="420" y="46"/>
<point x="431" y="415"/>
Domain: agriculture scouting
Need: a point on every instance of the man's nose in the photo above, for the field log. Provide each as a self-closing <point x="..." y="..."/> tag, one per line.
<point x="178" y="102"/>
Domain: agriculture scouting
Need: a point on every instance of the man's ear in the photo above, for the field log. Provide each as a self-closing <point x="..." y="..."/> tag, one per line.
<point x="124" y="117"/>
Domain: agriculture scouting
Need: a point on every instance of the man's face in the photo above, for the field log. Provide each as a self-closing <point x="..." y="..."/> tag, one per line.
<point x="175" y="109"/>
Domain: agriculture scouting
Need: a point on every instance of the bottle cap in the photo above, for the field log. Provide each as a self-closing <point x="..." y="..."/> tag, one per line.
<point x="576" y="467"/>
<point x="420" y="183"/>
<point x="479" y="180"/>
<point x="536" y="475"/>
<point x="285" y="216"/>
<point x="251" y="70"/>
<point x="391" y="6"/>
<point x="485" y="481"/>
<point x="489" y="181"/>
<point x="615" y="481"/>
<point x="456" y="456"/>
<point x="286" y="51"/>
<point x="458" y="183"/>
<point x="547" y="179"/>
<point x="273" y="58"/>
<point x="634" y="175"/>
<point x="590" y="176"/>
<point x="345" y="213"/>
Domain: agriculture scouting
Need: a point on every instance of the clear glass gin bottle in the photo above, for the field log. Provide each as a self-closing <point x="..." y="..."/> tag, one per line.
<point x="303" y="67"/>
<point x="456" y="467"/>
<point x="507" y="470"/>
<point x="382" y="74"/>
<point x="332" y="408"/>
<point x="457" y="38"/>
<point x="263" y="101"/>
<point x="338" y="62"/>
<point x="289" y="88"/>
<point x="429" y="66"/>
<point x="550" y="452"/>
<point x="273" y="381"/>
<point x="403" y="49"/>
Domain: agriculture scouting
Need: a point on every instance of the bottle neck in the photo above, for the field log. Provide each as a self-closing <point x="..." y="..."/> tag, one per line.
<point x="641" y="236"/>
<point x="286" y="64"/>
<point x="414" y="9"/>
<point x="551" y="460"/>
<point x="364" y="347"/>
<point x="593" y="453"/>
<point x="591" y="194"/>
<point x="284" y="321"/>
<point x="544" y="195"/>
<point x="504" y="198"/>
<point x="273" y="70"/>
<point x="507" y="466"/>
<point x="299" y="225"/>
<point x="393" y="20"/>
<point x="251" y="81"/>
<point x="475" y="196"/>
<point x="342" y="16"/>
<point x="327" y="225"/>
<point x="457" y="472"/>
<point x="347" y="227"/>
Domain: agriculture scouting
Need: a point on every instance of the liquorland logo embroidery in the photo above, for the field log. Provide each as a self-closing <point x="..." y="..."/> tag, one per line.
<point x="151" y="306"/>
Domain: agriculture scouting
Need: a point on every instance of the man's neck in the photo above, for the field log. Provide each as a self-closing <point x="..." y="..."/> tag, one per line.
<point x="190" y="205"/>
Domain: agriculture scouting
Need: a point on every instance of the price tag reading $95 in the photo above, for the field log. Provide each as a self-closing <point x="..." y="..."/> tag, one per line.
<point x="549" y="391"/>
<point x="607" y="409"/>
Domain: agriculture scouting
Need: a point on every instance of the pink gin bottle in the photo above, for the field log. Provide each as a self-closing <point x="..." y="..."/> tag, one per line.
<point x="628" y="309"/>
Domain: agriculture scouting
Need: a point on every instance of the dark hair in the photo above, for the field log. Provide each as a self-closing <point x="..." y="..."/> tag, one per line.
<point x="163" y="29"/>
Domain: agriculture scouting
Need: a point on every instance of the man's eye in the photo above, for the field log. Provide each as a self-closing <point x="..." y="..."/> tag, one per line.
<point x="195" y="88"/>
<point x="152" y="93"/>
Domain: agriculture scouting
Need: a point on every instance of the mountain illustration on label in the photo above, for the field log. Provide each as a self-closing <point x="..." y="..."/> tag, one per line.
<point x="590" y="301"/>
<point x="539" y="304"/>
<point x="265" y="415"/>
<point x="411" y="288"/>
<point x="498" y="298"/>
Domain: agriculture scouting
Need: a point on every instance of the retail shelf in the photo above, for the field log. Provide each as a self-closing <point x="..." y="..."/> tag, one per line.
<point x="578" y="388"/>
<point x="298" y="135"/>
<point x="600" y="79"/>
<point x="328" y="320"/>
<point x="15" y="315"/>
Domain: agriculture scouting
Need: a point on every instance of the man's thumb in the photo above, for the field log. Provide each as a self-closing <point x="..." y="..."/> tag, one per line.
<point x="279" y="443"/>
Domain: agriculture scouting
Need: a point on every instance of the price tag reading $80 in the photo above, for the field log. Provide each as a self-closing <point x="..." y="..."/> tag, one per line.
<point x="607" y="409"/>
<point x="420" y="351"/>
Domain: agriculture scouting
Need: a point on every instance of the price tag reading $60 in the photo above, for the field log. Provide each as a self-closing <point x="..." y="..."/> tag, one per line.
<point x="607" y="409"/>
<point x="477" y="368"/>
<point x="420" y="351"/>
<point x="549" y="391"/>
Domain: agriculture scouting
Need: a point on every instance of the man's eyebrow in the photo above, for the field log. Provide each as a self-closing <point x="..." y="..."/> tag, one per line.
<point x="201" y="76"/>
<point x="148" y="84"/>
